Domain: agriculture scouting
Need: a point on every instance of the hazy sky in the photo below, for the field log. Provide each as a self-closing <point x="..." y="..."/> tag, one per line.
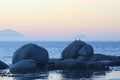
<point x="62" y="19"/>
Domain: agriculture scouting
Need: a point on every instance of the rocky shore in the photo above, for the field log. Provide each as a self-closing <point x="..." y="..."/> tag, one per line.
<point x="76" y="56"/>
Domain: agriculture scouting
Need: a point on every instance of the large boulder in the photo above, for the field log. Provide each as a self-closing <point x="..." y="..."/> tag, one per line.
<point x="24" y="66"/>
<point x="31" y="51"/>
<point x="3" y="65"/>
<point x="71" y="51"/>
<point x="86" y="50"/>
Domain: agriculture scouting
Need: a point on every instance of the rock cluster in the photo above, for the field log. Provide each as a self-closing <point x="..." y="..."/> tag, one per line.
<point x="76" y="49"/>
<point x="76" y="56"/>
<point x="80" y="56"/>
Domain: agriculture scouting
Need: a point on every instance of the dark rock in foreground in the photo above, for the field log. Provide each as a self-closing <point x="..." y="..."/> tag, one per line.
<point x="31" y="51"/>
<point x="3" y="65"/>
<point x="23" y="66"/>
<point x="71" y="51"/>
<point x="81" y="63"/>
<point x="66" y="64"/>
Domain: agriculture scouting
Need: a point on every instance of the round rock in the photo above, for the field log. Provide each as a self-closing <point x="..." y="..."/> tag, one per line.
<point x="23" y="66"/>
<point x="71" y="51"/>
<point x="86" y="51"/>
<point x="31" y="51"/>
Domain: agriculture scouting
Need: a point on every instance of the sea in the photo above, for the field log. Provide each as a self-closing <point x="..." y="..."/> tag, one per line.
<point x="7" y="49"/>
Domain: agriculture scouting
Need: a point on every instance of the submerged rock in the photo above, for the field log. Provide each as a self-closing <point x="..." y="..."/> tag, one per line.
<point x="23" y="66"/>
<point x="86" y="51"/>
<point x="71" y="51"/>
<point x="31" y="51"/>
<point x="3" y="65"/>
<point x="102" y="57"/>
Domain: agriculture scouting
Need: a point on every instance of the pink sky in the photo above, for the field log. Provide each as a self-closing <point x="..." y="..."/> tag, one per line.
<point x="62" y="19"/>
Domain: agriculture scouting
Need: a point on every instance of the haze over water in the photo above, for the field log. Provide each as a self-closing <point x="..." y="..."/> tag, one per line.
<point x="62" y="19"/>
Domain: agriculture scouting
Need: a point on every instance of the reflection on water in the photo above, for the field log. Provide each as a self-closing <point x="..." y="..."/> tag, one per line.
<point x="112" y="74"/>
<point x="66" y="75"/>
<point x="6" y="78"/>
<point x="54" y="75"/>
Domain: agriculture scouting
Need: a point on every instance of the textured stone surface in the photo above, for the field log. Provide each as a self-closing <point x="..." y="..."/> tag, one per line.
<point x="23" y="66"/>
<point x="31" y="51"/>
<point x="86" y="50"/>
<point x="71" y="51"/>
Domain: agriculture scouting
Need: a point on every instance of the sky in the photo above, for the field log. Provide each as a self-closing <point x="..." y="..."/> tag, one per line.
<point x="62" y="19"/>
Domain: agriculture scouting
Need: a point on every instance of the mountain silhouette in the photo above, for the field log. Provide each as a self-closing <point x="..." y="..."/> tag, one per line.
<point x="11" y="35"/>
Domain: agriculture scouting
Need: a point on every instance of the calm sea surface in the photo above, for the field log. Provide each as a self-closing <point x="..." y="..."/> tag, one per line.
<point x="7" y="50"/>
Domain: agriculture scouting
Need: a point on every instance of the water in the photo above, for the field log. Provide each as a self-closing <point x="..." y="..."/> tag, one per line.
<point x="7" y="50"/>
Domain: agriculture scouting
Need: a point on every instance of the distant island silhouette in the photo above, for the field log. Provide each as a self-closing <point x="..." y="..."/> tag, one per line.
<point x="11" y="35"/>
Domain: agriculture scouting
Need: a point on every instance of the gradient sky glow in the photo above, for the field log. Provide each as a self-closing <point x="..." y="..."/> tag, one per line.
<point x="62" y="19"/>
